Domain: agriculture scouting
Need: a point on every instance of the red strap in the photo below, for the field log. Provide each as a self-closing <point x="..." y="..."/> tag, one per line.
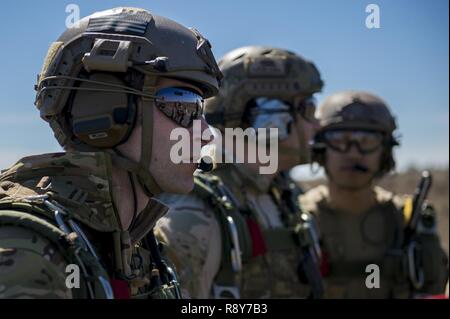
<point x="120" y="289"/>
<point x="325" y="264"/>
<point x="440" y="296"/>
<point x="258" y="243"/>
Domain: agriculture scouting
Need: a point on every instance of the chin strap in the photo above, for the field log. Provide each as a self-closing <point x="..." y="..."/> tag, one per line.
<point x="146" y="179"/>
<point x="142" y="169"/>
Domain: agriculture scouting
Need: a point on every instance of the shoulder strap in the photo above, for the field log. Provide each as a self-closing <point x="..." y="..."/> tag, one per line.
<point x="303" y="231"/>
<point x="236" y="241"/>
<point x="67" y="237"/>
<point x="285" y="193"/>
<point x="164" y="280"/>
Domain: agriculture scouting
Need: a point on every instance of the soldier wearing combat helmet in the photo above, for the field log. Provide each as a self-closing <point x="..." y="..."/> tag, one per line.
<point x="112" y="89"/>
<point x="240" y="233"/>
<point x="360" y="223"/>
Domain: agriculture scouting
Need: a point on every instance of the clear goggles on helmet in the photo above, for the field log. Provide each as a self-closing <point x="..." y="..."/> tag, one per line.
<point x="365" y="141"/>
<point x="275" y="113"/>
<point x="182" y="105"/>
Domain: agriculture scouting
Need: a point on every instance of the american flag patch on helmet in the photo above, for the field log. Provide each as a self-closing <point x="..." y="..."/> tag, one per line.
<point x="129" y="22"/>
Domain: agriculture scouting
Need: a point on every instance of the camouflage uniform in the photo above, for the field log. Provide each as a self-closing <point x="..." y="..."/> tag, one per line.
<point x="194" y="235"/>
<point x="33" y="264"/>
<point x="59" y="209"/>
<point x="264" y="213"/>
<point x="350" y="242"/>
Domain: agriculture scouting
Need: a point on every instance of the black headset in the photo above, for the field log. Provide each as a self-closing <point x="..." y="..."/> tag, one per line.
<point x="101" y="126"/>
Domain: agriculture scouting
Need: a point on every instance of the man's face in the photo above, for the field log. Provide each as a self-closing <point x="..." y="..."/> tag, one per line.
<point x="171" y="177"/>
<point x="301" y="133"/>
<point x="294" y="150"/>
<point x="346" y="164"/>
<point x="296" y="125"/>
<point x="175" y="178"/>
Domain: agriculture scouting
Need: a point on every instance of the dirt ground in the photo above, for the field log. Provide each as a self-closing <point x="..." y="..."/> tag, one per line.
<point x="405" y="183"/>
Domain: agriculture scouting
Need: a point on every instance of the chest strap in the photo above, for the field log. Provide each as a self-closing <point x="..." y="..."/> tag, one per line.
<point x="236" y="241"/>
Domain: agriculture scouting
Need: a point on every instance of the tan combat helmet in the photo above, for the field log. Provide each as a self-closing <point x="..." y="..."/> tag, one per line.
<point x="257" y="71"/>
<point x="361" y="111"/>
<point x="96" y="71"/>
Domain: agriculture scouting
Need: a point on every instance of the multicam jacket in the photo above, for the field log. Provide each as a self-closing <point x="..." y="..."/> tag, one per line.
<point x="195" y="233"/>
<point x="57" y="210"/>
<point x="352" y="242"/>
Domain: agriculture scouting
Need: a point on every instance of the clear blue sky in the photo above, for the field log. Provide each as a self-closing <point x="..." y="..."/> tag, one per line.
<point x="406" y="61"/>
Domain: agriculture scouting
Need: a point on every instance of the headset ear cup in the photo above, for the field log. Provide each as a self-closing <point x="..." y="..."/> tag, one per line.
<point x="102" y="119"/>
<point x="321" y="157"/>
<point x="389" y="162"/>
<point x="321" y="150"/>
<point x="131" y="116"/>
<point x="385" y="164"/>
<point x="387" y="158"/>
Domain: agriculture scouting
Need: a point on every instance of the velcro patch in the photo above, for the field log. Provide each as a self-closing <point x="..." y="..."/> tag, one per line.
<point x="124" y="22"/>
<point x="266" y="67"/>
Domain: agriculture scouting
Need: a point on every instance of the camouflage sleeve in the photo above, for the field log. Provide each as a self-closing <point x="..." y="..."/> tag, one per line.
<point x="30" y="266"/>
<point x="194" y="243"/>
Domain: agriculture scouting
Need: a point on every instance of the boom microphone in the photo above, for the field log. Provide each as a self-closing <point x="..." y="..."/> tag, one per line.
<point x="361" y="168"/>
<point x="206" y="164"/>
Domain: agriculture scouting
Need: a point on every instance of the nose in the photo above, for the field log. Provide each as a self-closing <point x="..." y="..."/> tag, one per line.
<point x="354" y="152"/>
